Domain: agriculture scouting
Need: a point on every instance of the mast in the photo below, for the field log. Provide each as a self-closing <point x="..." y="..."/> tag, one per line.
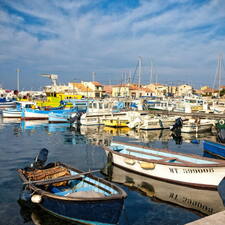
<point x="93" y="76"/>
<point x="139" y="71"/>
<point x="218" y="75"/>
<point x="151" y="72"/>
<point x="18" y="79"/>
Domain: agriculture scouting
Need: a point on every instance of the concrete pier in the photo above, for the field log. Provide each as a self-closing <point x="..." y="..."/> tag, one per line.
<point x="215" y="219"/>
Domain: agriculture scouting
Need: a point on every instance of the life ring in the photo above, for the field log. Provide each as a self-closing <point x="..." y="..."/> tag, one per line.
<point x="221" y="122"/>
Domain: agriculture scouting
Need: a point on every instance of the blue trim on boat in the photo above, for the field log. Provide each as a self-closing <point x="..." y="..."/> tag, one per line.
<point x="214" y="148"/>
<point x="160" y="153"/>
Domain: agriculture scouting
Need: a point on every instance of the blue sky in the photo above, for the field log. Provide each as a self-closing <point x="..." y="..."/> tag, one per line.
<point x="73" y="38"/>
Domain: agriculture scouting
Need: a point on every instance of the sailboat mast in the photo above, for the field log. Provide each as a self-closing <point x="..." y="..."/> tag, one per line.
<point x="139" y="71"/>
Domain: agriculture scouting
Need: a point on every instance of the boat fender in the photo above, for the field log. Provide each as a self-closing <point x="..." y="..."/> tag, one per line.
<point x="36" y="198"/>
<point x="129" y="161"/>
<point x="221" y="122"/>
<point x="147" y="165"/>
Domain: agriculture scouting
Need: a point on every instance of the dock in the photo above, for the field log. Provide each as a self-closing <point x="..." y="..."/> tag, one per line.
<point x="215" y="219"/>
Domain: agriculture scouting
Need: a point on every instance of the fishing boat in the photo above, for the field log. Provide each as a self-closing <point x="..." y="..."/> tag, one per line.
<point x="151" y="122"/>
<point x="192" y="125"/>
<point x="201" y="201"/>
<point x="113" y="122"/>
<point x="70" y="193"/>
<point x="39" y="114"/>
<point x="17" y="112"/>
<point x="5" y="103"/>
<point x="167" y="165"/>
<point x="214" y="148"/>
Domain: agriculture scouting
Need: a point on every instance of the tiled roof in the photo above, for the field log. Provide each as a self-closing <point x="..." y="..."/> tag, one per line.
<point x="96" y="83"/>
<point x="81" y="87"/>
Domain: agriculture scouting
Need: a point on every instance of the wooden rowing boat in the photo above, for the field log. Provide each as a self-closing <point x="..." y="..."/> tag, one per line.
<point x="73" y="195"/>
<point x="167" y="165"/>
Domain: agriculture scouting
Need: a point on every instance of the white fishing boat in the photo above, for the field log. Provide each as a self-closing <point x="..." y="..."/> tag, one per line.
<point x="204" y="201"/>
<point x="199" y="126"/>
<point x="38" y="114"/>
<point x="167" y="165"/>
<point x="98" y="111"/>
<point x="151" y="122"/>
<point x="16" y="113"/>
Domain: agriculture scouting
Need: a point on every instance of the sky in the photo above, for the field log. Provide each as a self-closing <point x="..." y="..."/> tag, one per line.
<point x="178" y="41"/>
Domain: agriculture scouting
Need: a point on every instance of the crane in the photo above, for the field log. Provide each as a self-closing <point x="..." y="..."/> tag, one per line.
<point x="53" y="78"/>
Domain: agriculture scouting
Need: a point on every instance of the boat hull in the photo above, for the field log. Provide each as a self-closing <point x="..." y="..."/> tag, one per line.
<point x="85" y="198"/>
<point x="102" y="212"/>
<point x="11" y="114"/>
<point x="196" y="128"/>
<point x="199" y="175"/>
<point x="214" y="148"/>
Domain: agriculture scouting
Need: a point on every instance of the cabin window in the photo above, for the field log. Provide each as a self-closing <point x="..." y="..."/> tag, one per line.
<point x="94" y="105"/>
<point x="106" y="106"/>
<point x="100" y="105"/>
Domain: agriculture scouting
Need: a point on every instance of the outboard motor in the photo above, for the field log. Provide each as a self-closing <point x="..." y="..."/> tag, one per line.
<point x="221" y="135"/>
<point x="40" y="159"/>
<point x="177" y="125"/>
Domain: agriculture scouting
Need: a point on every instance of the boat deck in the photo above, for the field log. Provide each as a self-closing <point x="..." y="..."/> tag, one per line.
<point x="160" y="156"/>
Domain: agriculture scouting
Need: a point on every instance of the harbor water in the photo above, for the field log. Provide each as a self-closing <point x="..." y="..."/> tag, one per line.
<point x="149" y="201"/>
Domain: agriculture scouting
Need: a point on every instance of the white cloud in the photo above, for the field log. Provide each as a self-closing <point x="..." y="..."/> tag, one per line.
<point x="70" y="40"/>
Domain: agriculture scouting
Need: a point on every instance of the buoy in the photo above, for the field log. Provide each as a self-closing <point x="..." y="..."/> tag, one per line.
<point x="221" y="122"/>
<point x="36" y="198"/>
<point x="147" y="165"/>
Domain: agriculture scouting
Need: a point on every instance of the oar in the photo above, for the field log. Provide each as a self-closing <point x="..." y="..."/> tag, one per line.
<point x="60" y="179"/>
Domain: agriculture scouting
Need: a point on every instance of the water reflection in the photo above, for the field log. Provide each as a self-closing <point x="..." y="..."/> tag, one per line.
<point x="100" y="135"/>
<point x="32" y="213"/>
<point x="205" y="202"/>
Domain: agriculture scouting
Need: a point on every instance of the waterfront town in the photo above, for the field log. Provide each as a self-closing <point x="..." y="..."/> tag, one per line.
<point x="87" y="137"/>
<point x="94" y="89"/>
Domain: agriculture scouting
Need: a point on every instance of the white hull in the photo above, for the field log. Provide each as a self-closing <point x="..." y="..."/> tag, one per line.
<point x="167" y="165"/>
<point x="196" y="128"/>
<point x="91" y="119"/>
<point x="11" y="114"/>
<point x="209" y="177"/>
<point x="34" y="115"/>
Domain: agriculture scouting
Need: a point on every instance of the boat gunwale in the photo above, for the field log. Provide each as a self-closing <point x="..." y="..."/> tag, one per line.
<point x="119" y="196"/>
<point x="219" y="162"/>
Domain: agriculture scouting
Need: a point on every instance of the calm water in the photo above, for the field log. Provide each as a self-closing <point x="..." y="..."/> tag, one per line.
<point x="149" y="201"/>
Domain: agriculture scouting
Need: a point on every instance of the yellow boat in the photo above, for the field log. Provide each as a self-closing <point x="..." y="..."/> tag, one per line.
<point x="54" y="100"/>
<point x="116" y="122"/>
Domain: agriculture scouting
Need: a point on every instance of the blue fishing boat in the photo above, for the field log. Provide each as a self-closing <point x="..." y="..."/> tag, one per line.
<point x="214" y="148"/>
<point x="71" y="194"/>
